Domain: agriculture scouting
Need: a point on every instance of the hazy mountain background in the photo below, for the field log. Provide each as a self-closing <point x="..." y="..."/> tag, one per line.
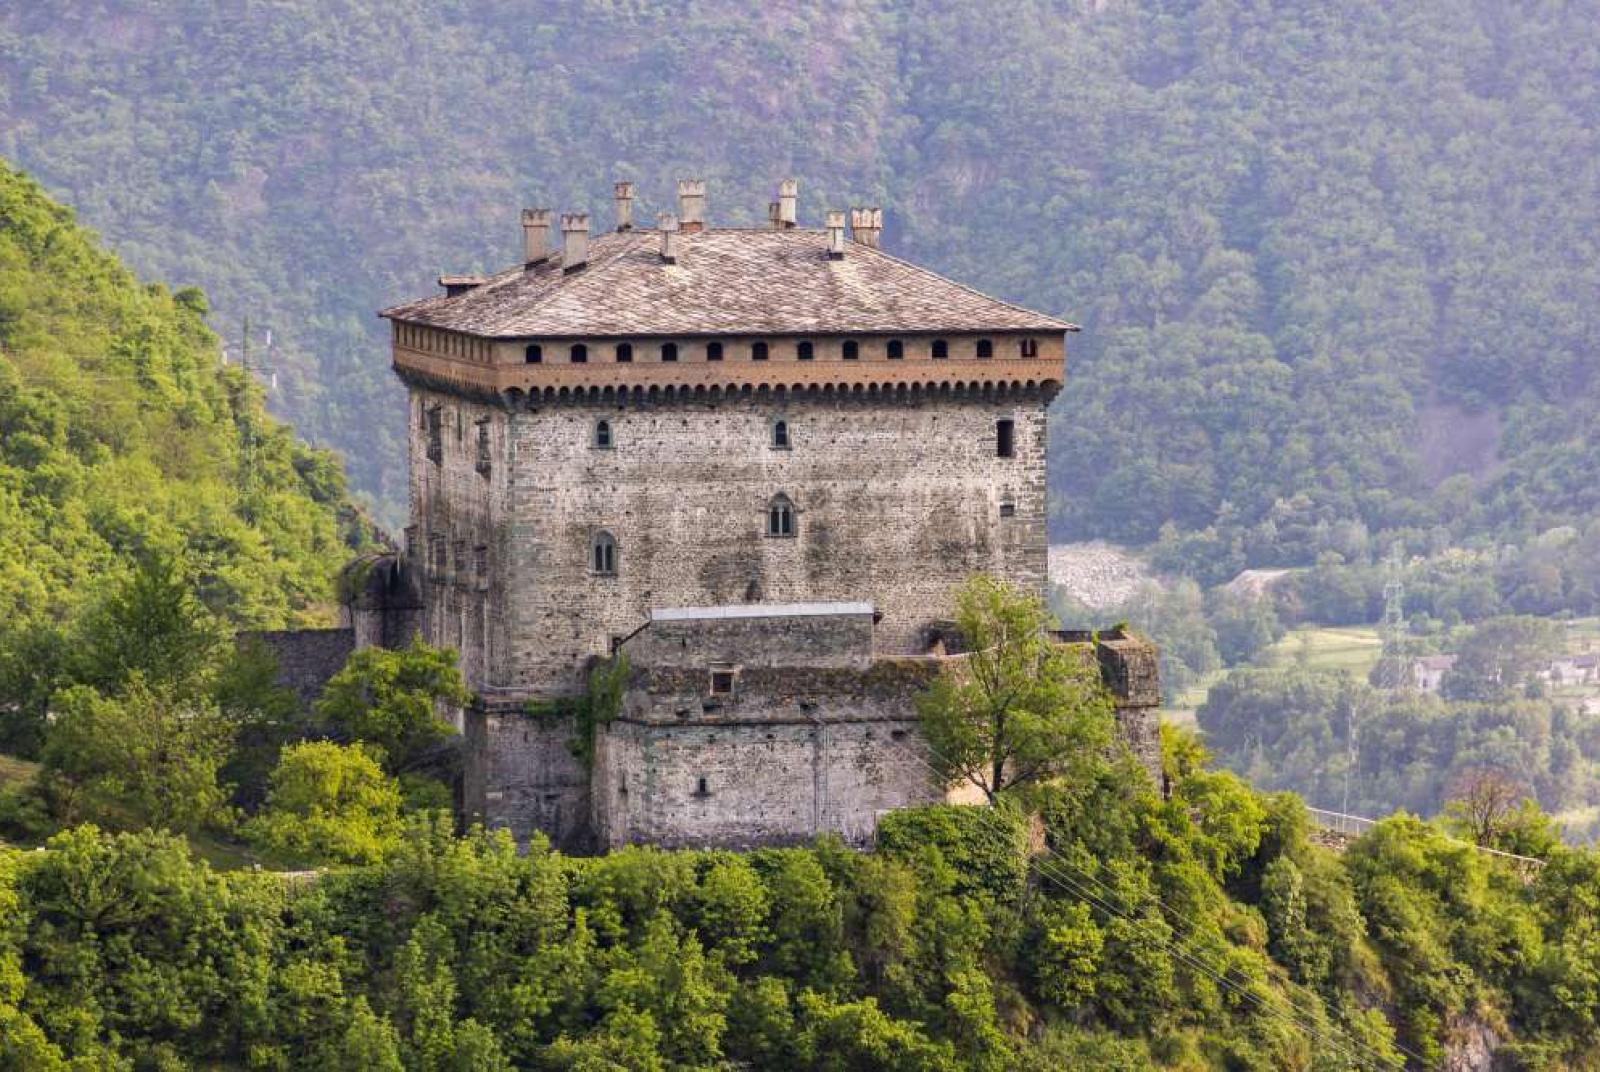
<point x="1337" y="265"/>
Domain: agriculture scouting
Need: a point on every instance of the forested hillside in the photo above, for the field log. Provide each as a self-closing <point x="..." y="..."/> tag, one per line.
<point x="127" y="444"/>
<point x="1336" y="264"/>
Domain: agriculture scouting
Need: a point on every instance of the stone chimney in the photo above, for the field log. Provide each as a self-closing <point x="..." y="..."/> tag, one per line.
<point x="788" y="199"/>
<point x="624" y="193"/>
<point x="692" y="205"/>
<point x="772" y="216"/>
<point x="667" y="224"/>
<point x="535" y="235"/>
<point x="835" y="223"/>
<point x="575" y="241"/>
<point x="866" y="225"/>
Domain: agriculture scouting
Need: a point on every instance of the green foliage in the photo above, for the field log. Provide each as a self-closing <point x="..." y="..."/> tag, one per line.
<point x="127" y="540"/>
<point x="148" y="755"/>
<point x="392" y="699"/>
<point x="328" y="803"/>
<point x="1019" y="708"/>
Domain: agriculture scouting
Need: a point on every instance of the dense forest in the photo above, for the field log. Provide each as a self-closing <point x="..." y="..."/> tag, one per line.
<point x="1336" y="264"/>
<point x="127" y="443"/>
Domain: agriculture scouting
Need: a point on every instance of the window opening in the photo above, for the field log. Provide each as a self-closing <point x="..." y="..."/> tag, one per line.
<point x="780" y="517"/>
<point x="1008" y="509"/>
<point x="897" y="349"/>
<point x="780" y="435"/>
<point x="713" y="351"/>
<point x="533" y="353"/>
<point x="985" y="347"/>
<point x="941" y="348"/>
<point x="604" y="554"/>
<point x="758" y="351"/>
<point x="602" y="434"/>
<point x="669" y="351"/>
<point x="805" y="351"/>
<point x="624" y="352"/>
<point x="1005" y="438"/>
<point x="721" y="682"/>
<point x="579" y="354"/>
<point x="852" y="350"/>
<point x="483" y="447"/>
<point x="700" y="789"/>
<point x="436" y="434"/>
<point x="1028" y="347"/>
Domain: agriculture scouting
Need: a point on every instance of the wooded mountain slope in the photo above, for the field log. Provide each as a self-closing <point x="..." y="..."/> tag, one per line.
<point x="125" y="438"/>
<point x="1335" y="263"/>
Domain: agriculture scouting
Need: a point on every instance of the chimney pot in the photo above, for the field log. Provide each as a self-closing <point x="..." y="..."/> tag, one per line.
<point x="575" y="241"/>
<point x="835" y="223"/>
<point x="535" y="235"/>
<point x="866" y="225"/>
<point x="667" y="224"/>
<point x="691" y="205"/>
<point x="624" y="192"/>
<point x="788" y="198"/>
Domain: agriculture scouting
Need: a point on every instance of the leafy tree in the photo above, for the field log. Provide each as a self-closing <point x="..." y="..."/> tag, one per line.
<point x="393" y="700"/>
<point x="1499" y="656"/>
<point x="150" y="624"/>
<point x="147" y="754"/>
<point x="1019" y="708"/>
<point x="328" y="803"/>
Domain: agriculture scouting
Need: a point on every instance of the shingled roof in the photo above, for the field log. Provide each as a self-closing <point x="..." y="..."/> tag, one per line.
<point x="725" y="282"/>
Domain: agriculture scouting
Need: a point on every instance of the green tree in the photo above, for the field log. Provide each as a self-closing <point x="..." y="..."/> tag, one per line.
<point x="147" y="754"/>
<point x="393" y="699"/>
<point x="150" y="624"/>
<point x="1019" y="708"/>
<point x="328" y="803"/>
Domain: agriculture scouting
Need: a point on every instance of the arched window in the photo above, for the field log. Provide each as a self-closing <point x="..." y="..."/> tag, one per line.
<point x="533" y="354"/>
<point x="780" y="435"/>
<point x="624" y="352"/>
<point x="941" y="349"/>
<point x="758" y="351"/>
<point x="852" y="350"/>
<point x="602" y="434"/>
<point x="780" y="517"/>
<point x="805" y="351"/>
<point x="669" y="351"/>
<point x="580" y="354"/>
<point x="713" y="351"/>
<point x="1028" y="347"/>
<point x="985" y="347"/>
<point x="897" y="349"/>
<point x="603" y="554"/>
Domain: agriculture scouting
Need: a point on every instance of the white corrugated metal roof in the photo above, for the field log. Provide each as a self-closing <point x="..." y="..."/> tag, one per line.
<point x="758" y="610"/>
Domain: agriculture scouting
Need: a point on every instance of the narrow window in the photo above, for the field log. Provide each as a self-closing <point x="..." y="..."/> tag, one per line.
<point x="805" y="351"/>
<point x="533" y="353"/>
<point x="713" y="351"/>
<point x="602" y="434"/>
<point x="721" y="682"/>
<point x="780" y="435"/>
<point x="460" y="559"/>
<point x="603" y="554"/>
<point x="700" y="789"/>
<point x="669" y="351"/>
<point x="1008" y="509"/>
<point x="437" y="552"/>
<point x="1005" y="438"/>
<point x="624" y="352"/>
<point x="1028" y="347"/>
<point x="985" y="347"/>
<point x="852" y="350"/>
<point x="483" y="447"/>
<point x="580" y="354"/>
<point x="436" y="435"/>
<point x="480" y="564"/>
<point x="897" y="349"/>
<point x="780" y="517"/>
<point x="758" y="351"/>
<point x="941" y="349"/>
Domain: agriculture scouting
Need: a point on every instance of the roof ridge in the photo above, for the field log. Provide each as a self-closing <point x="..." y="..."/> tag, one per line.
<point x="1066" y="325"/>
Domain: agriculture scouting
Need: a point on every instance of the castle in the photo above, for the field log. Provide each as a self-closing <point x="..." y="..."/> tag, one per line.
<point x="756" y="462"/>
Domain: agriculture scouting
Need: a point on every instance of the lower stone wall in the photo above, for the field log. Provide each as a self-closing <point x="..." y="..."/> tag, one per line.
<point x="739" y="786"/>
<point x="307" y="658"/>
<point x="522" y="776"/>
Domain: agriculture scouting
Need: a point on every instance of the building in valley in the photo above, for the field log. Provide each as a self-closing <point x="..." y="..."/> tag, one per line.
<point x="759" y="463"/>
